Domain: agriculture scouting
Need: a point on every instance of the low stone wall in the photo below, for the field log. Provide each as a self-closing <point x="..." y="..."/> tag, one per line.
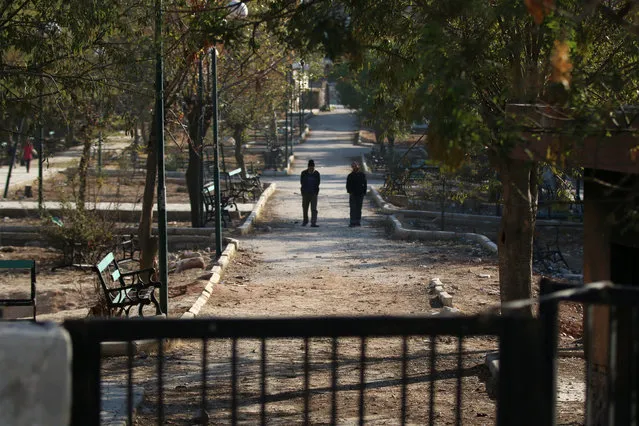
<point x="400" y="232"/>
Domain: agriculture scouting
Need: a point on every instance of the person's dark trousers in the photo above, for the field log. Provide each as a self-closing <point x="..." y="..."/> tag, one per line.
<point x="28" y="164"/>
<point x="355" y="202"/>
<point x="309" y="199"/>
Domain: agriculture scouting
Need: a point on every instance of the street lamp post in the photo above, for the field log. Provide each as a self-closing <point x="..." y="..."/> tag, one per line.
<point x="292" y="99"/>
<point x="299" y="97"/>
<point x="237" y="10"/>
<point x="216" y="166"/>
<point x="199" y="148"/>
<point x="159" y="122"/>
<point x="40" y="152"/>
<point x="286" y="130"/>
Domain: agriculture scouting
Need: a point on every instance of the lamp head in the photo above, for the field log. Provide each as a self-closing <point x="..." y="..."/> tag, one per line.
<point x="237" y="9"/>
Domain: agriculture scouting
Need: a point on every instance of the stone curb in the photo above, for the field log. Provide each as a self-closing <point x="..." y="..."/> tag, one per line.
<point x="402" y="233"/>
<point x="367" y="170"/>
<point x="216" y="274"/>
<point x="388" y="208"/>
<point x="248" y="224"/>
<point x="437" y="288"/>
<point x="111" y="349"/>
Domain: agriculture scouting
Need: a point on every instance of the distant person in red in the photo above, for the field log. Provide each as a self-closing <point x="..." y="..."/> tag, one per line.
<point x="27" y="154"/>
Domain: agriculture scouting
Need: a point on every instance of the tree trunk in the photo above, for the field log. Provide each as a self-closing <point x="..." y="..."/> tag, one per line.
<point x="148" y="243"/>
<point x="515" y="242"/>
<point x="238" y="135"/>
<point x="69" y="137"/>
<point x="379" y="138"/>
<point x="83" y="171"/>
<point x="193" y="169"/>
<point x="274" y="125"/>
<point x="136" y="136"/>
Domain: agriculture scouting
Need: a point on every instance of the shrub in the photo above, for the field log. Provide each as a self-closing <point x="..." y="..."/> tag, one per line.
<point x="93" y="233"/>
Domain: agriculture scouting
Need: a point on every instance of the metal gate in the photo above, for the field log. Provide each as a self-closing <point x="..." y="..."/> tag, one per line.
<point x="348" y="354"/>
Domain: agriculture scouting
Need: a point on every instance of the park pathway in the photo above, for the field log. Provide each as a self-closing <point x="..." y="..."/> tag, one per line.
<point x="286" y="270"/>
<point x="330" y="270"/>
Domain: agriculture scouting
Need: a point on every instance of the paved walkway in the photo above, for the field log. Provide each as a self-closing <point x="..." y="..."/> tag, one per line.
<point x="54" y="164"/>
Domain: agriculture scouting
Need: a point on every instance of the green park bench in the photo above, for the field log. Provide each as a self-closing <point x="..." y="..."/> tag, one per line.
<point x="243" y="187"/>
<point x="120" y="295"/>
<point x="18" y="266"/>
<point x="227" y="203"/>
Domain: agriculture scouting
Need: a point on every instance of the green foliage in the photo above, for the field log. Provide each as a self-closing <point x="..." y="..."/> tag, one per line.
<point x="171" y="162"/>
<point x="93" y="233"/>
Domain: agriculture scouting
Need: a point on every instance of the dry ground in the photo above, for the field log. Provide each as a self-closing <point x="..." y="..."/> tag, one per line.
<point x="69" y="292"/>
<point x="375" y="285"/>
<point x="243" y="294"/>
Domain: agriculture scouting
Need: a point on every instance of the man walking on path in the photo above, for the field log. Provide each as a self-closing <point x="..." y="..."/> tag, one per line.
<point x="356" y="187"/>
<point x="310" y="181"/>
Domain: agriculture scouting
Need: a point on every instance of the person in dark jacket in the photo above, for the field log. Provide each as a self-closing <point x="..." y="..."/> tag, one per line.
<point x="356" y="186"/>
<point x="310" y="181"/>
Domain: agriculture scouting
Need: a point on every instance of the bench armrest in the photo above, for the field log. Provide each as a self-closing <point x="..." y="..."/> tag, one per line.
<point x="126" y="288"/>
<point x="155" y="284"/>
<point x="138" y="272"/>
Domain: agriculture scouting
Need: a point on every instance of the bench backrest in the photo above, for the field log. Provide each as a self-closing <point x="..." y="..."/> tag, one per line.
<point x="29" y="265"/>
<point x="208" y="192"/>
<point x="209" y="187"/>
<point x="127" y="248"/>
<point x="235" y="172"/>
<point x="109" y="273"/>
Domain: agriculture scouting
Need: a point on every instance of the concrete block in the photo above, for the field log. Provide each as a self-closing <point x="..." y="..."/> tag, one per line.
<point x="492" y="362"/>
<point x="435" y="282"/>
<point x="232" y="242"/>
<point x="446" y="299"/>
<point x="223" y="261"/>
<point x="35" y="374"/>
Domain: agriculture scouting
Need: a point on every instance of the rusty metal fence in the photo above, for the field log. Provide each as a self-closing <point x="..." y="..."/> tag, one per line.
<point x="328" y="370"/>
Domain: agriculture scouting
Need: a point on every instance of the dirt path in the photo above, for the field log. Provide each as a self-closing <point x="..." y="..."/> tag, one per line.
<point x="286" y="270"/>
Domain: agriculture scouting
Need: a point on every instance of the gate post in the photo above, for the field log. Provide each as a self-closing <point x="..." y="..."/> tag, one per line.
<point x="85" y="382"/>
<point x="521" y="399"/>
<point x="549" y="321"/>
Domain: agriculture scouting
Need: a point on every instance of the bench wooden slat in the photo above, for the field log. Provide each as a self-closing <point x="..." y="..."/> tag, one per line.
<point x="16" y="302"/>
<point x="17" y="264"/>
<point x="105" y="262"/>
<point x="120" y="297"/>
